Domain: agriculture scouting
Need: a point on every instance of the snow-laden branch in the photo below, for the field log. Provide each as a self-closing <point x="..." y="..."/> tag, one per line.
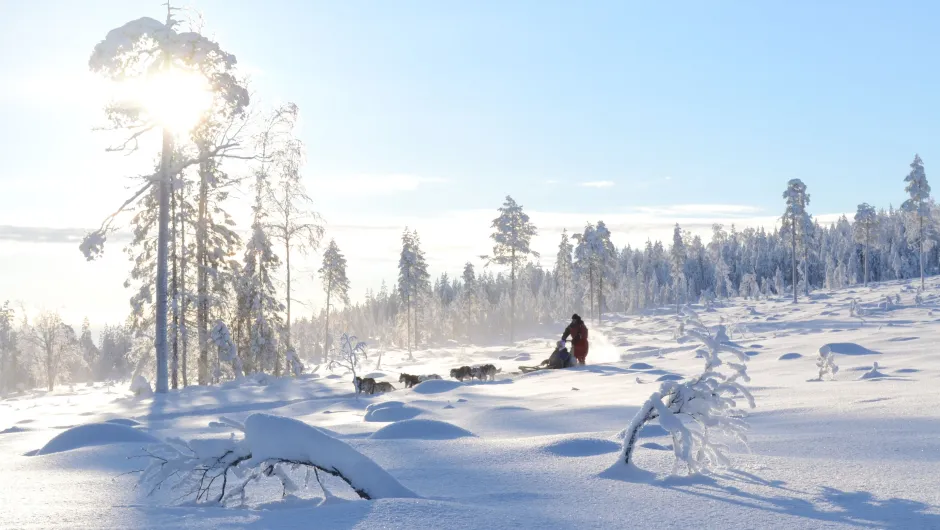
<point x="703" y="413"/>
<point x="219" y="470"/>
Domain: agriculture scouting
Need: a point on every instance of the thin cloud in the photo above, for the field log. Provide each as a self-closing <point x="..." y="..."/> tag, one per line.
<point x="686" y="210"/>
<point x="43" y="234"/>
<point x="379" y="184"/>
<point x="598" y="184"/>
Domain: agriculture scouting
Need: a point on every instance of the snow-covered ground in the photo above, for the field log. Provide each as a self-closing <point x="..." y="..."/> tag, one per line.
<point x="533" y="450"/>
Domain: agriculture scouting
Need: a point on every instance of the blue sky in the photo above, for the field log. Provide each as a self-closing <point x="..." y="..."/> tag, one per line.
<point x="418" y="111"/>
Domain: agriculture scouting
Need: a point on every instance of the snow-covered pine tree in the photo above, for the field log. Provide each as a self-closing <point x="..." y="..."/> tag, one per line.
<point x="335" y="284"/>
<point x="918" y="206"/>
<point x="586" y="261"/>
<point x="413" y="280"/>
<point x="679" y="255"/>
<point x="564" y="276"/>
<point x="470" y="298"/>
<point x="154" y="52"/>
<point x="866" y="227"/>
<point x="794" y="221"/>
<point x="228" y="351"/>
<point x="605" y="255"/>
<point x="512" y="234"/>
<point x="258" y="302"/>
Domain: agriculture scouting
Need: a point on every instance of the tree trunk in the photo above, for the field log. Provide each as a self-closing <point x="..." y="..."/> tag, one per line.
<point x="50" y="366"/>
<point x="591" y="287"/>
<point x="793" y="245"/>
<point x="469" y="316"/>
<point x="806" y="269"/>
<point x="921" y="252"/>
<point x="600" y="297"/>
<point x="174" y="290"/>
<point x="867" y="239"/>
<point x="408" y="323"/>
<point x="185" y="299"/>
<point x="202" y="275"/>
<point x="287" y="262"/>
<point x="163" y="190"/>
<point x="326" y="330"/>
<point x="512" y="297"/>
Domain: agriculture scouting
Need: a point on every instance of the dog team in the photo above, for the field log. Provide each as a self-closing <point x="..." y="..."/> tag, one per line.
<point x="368" y="385"/>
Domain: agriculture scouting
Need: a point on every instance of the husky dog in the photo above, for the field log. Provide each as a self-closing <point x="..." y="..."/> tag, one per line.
<point x="366" y="385"/>
<point x="424" y="378"/>
<point x="487" y="371"/>
<point x="464" y="372"/>
<point x="409" y="380"/>
<point x="382" y="386"/>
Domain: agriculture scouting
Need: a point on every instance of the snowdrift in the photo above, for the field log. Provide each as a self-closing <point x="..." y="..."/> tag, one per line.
<point x="390" y="411"/>
<point x="276" y="438"/>
<point x="95" y="434"/>
<point x="580" y="447"/>
<point x="421" y="430"/>
<point x="849" y="348"/>
<point x="436" y="386"/>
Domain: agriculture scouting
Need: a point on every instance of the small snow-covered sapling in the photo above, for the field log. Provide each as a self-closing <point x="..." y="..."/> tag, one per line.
<point x="826" y="363"/>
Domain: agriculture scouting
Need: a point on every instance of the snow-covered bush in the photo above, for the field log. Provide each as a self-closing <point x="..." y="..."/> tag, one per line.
<point x="350" y="356"/>
<point x="826" y="363"/>
<point x="873" y="373"/>
<point x="218" y="470"/>
<point x="701" y="414"/>
<point x="140" y="387"/>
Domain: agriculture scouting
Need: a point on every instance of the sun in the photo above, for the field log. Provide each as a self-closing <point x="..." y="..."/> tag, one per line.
<point x="174" y="99"/>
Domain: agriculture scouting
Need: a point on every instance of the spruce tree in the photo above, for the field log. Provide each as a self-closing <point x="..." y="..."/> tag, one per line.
<point x="512" y="234"/>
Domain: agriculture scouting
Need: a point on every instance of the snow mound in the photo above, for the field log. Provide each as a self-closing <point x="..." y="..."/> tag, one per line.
<point x="13" y="430"/>
<point x="640" y="366"/>
<point x="789" y="356"/>
<point x="390" y="411"/>
<point x="95" y="434"/>
<point x="576" y="447"/>
<point x="123" y="421"/>
<point x="421" y="430"/>
<point x="655" y="446"/>
<point x="850" y="348"/>
<point x="669" y="377"/>
<point x="274" y="437"/>
<point x="436" y="386"/>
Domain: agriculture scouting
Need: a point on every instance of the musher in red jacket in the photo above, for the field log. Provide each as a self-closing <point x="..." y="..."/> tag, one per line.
<point x="579" y="337"/>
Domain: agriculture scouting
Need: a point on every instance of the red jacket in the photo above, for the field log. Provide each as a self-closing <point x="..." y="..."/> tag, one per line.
<point x="579" y="338"/>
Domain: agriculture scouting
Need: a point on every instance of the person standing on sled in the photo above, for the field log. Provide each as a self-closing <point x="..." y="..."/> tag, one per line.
<point x="579" y="338"/>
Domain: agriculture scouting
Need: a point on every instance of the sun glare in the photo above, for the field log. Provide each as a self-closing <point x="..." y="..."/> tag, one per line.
<point x="174" y="99"/>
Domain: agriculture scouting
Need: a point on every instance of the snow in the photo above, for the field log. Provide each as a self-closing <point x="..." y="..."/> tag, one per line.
<point x="420" y="430"/>
<point x="390" y="411"/>
<point x="845" y="453"/>
<point x="436" y="386"/>
<point x="141" y="387"/>
<point x="95" y="434"/>
<point x="275" y="437"/>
